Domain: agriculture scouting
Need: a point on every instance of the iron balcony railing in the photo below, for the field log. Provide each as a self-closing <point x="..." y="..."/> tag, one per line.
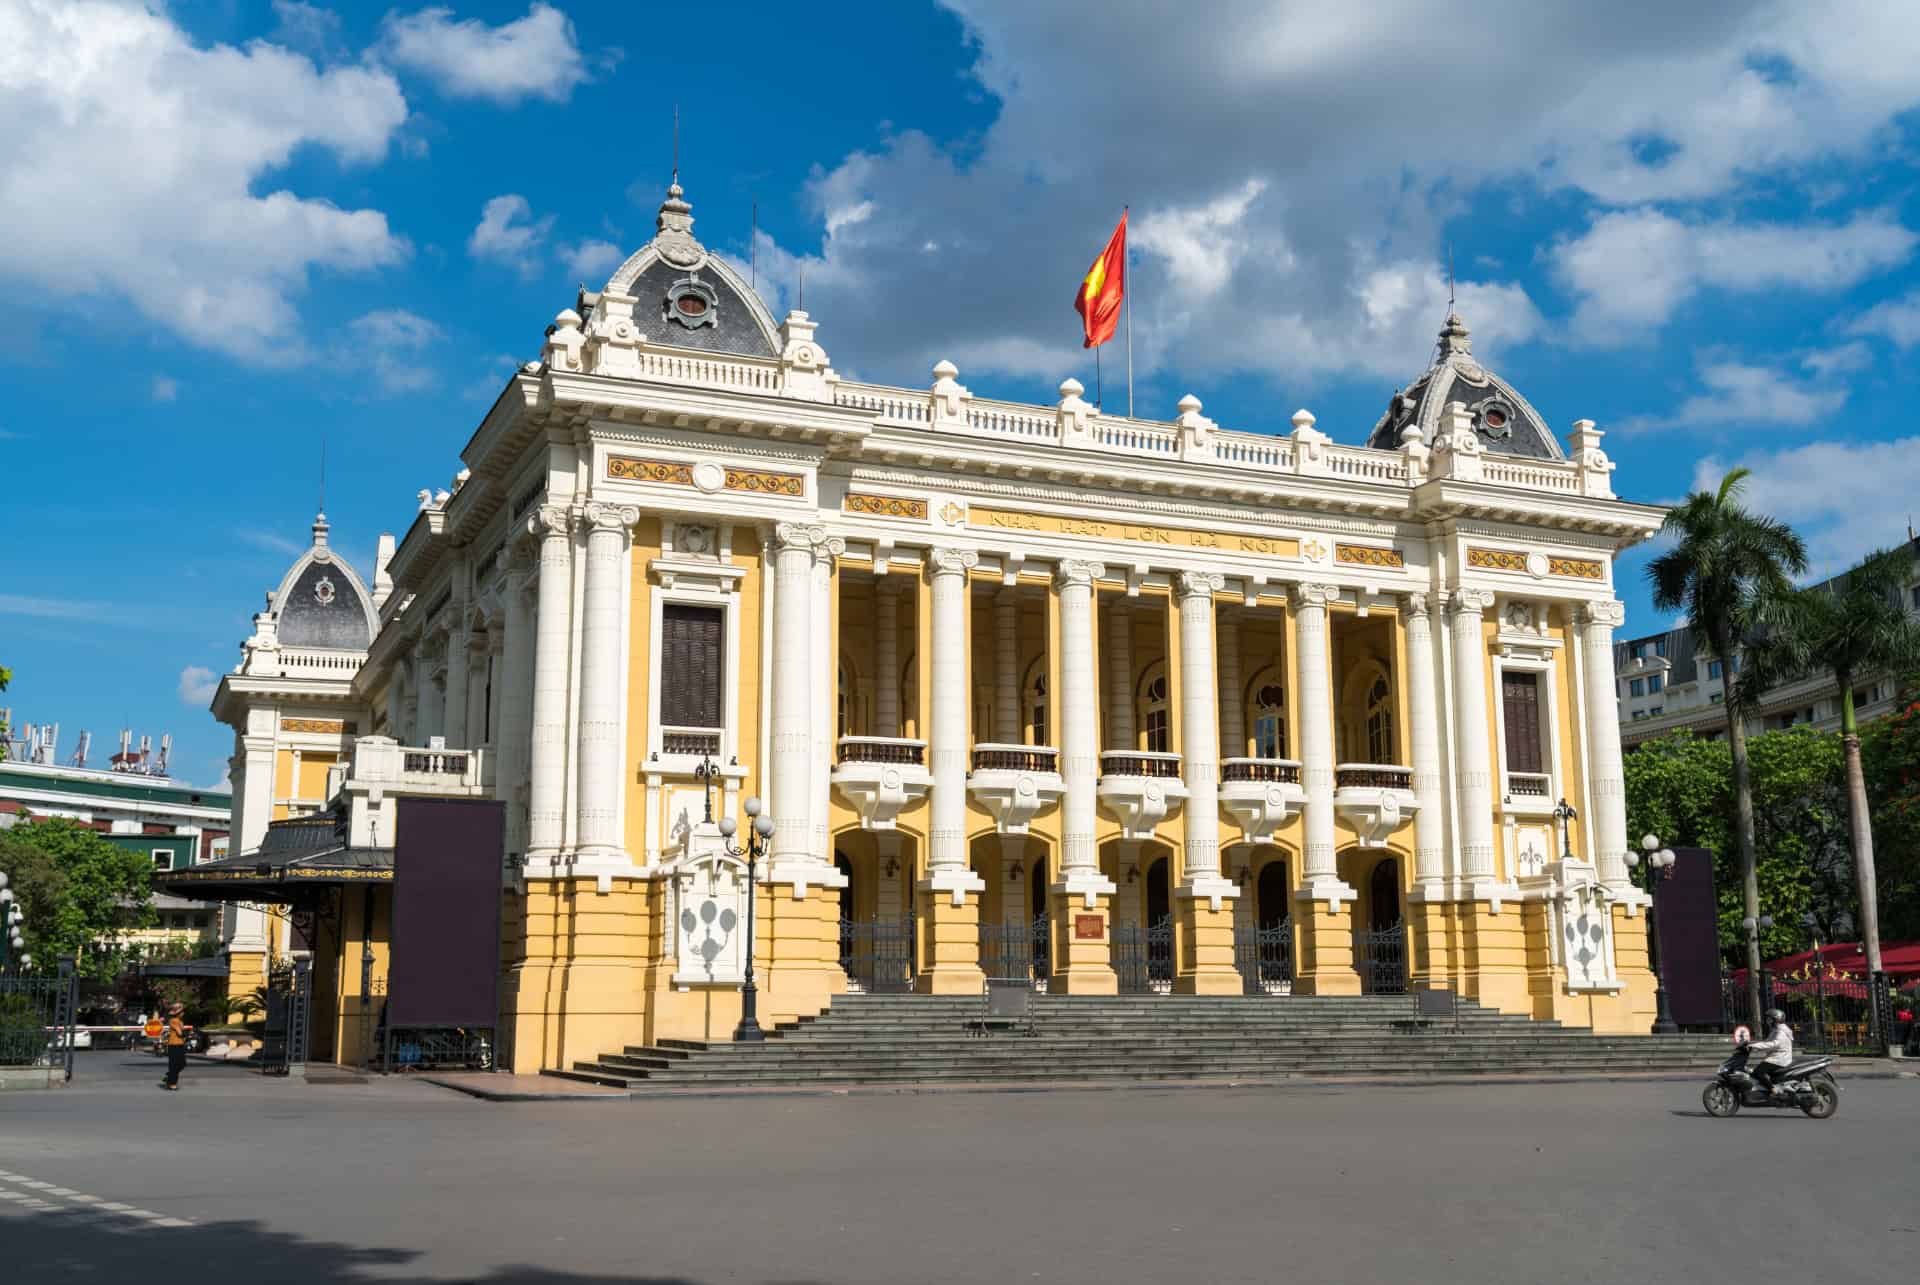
<point x="883" y="749"/>
<point x="1373" y="776"/>
<point x="697" y="742"/>
<point x="1530" y="785"/>
<point x="1140" y="763"/>
<point x="988" y="757"/>
<point x="1265" y="771"/>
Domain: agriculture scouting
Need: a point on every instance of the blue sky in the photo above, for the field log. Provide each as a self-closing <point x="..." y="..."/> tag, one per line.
<point x="231" y="229"/>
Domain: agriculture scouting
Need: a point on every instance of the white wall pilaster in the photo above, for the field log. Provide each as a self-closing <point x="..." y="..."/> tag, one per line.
<point x="1320" y="877"/>
<point x="609" y="527"/>
<point x="1200" y="733"/>
<point x="1429" y="820"/>
<point x="553" y="654"/>
<point x="1079" y="733"/>
<point x="799" y="854"/>
<point x="1473" y="770"/>
<point x="513" y="694"/>
<point x="947" y="725"/>
<point x="1606" y="778"/>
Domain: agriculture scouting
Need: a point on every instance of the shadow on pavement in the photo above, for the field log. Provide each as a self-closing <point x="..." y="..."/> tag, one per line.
<point x="44" y="1248"/>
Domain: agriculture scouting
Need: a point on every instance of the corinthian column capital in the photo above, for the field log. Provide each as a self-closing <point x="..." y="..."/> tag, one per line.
<point x="1611" y="614"/>
<point x="949" y="561"/>
<point x="1199" y="584"/>
<point x="1075" y="571"/>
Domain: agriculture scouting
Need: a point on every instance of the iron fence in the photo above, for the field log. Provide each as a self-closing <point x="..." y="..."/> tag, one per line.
<point x="1380" y="957"/>
<point x="1143" y="957"/>
<point x="289" y="1019"/>
<point x="1829" y="1012"/>
<point x="877" y="954"/>
<point x="37" y="1013"/>
<point x="1019" y="949"/>
<point x="1264" y="956"/>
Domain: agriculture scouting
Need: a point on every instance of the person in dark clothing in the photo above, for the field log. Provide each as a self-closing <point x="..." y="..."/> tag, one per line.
<point x="174" y="1041"/>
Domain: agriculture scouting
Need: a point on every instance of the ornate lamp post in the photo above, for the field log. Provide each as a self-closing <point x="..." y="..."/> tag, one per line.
<point x="759" y="830"/>
<point x="1564" y="814"/>
<point x="1658" y="867"/>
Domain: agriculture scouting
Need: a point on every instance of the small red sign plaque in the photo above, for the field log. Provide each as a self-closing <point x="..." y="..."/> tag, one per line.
<point x="1089" y="927"/>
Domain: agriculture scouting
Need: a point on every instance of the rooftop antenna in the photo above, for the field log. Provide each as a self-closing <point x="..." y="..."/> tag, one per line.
<point x="753" y="248"/>
<point x="676" y="144"/>
<point x="323" y="471"/>
<point x="1449" y="276"/>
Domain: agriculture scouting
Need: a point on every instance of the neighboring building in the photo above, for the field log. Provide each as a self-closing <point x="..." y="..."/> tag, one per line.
<point x="1165" y="687"/>
<point x="1667" y="682"/>
<point x="134" y="805"/>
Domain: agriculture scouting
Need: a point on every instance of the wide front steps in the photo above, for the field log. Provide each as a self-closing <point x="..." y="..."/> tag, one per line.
<point x="911" y="1039"/>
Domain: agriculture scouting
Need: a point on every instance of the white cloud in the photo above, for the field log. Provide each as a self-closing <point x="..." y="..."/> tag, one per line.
<point x="1290" y="221"/>
<point x="508" y="234"/>
<point x="1741" y="396"/>
<point x="1842" y="360"/>
<point x="392" y="341"/>
<point x="1846" y="498"/>
<point x="272" y="541"/>
<point x="14" y="604"/>
<point x="1633" y="268"/>
<point x="1897" y="320"/>
<point x="308" y="28"/>
<point x="197" y="686"/>
<point x="592" y="260"/>
<point x="140" y="166"/>
<point x="165" y="388"/>
<point x="486" y="386"/>
<point x="537" y="56"/>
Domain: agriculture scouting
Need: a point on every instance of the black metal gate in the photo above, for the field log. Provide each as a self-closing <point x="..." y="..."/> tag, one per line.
<point x="877" y="954"/>
<point x="289" y="1023"/>
<point x="1829" y="1011"/>
<point x="1018" y="949"/>
<point x="1380" y="957"/>
<point x="1143" y="957"/>
<point x="37" y="1013"/>
<point x="1264" y="956"/>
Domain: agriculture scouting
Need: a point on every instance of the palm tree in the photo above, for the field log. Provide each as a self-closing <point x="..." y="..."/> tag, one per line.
<point x="1855" y="627"/>
<point x="1726" y="567"/>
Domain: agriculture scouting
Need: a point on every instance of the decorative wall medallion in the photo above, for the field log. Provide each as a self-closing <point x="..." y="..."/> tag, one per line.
<point x="1367" y="556"/>
<point x="952" y="513"/>
<point x="1584" y="568"/>
<point x="324" y="726"/>
<point x="693" y="539"/>
<point x="1536" y="564"/>
<point x="709" y="477"/>
<point x="886" y="506"/>
<point x="625" y="468"/>
<point x="1520" y="616"/>
<point x="1497" y="559"/>
<point x="763" y="483"/>
<point x="1313" y="551"/>
<point x="324" y="592"/>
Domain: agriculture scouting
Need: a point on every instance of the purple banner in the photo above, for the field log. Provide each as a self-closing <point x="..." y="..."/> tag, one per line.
<point x="445" y="968"/>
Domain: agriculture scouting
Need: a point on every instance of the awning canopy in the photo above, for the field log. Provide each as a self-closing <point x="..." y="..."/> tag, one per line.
<point x="1844" y="962"/>
<point x="297" y="854"/>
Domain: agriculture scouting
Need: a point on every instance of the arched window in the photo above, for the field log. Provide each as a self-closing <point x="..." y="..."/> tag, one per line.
<point x="1267" y="719"/>
<point x="1035" y="701"/>
<point x="1380" y="721"/>
<point x="1156" y="732"/>
<point x="1366" y="732"/>
<point x="846" y="700"/>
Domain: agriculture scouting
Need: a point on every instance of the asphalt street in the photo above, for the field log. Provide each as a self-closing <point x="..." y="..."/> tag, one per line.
<point x="240" y="1177"/>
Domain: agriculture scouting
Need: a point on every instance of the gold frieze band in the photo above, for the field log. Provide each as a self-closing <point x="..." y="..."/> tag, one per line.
<point x="325" y="726"/>
<point x="624" y="468"/>
<point x="1013" y="520"/>
<point x="1584" y="568"/>
<point x="766" y="483"/>
<point x="1367" y="556"/>
<point x="886" y="506"/>
<point x="1497" y="559"/>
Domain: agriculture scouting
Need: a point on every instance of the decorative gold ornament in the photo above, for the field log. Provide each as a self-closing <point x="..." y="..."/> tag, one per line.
<point x="762" y="483"/>
<point x="886" y="506"/>
<point x="1497" y="559"/>
<point x="625" y="468"/>
<point x="1368" y="556"/>
<point x="951" y="513"/>
<point x="1584" y="568"/>
<point x="1313" y="550"/>
<point x="325" y="726"/>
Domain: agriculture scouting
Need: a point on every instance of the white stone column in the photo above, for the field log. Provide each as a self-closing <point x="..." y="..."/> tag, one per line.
<point x="1320" y="877"/>
<point x="416" y="684"/>
<point x="1119" y="674"/>
<point x="1606" y="780"/>
<point x="795" y="703"/>
<point x="947" y="726"/>
<point x="609" y="528"/>
<point x="1079" y="733"/>
<point x="1423" y="719"/>
<point x="1200" y="732"/>
<point x="1006" y="667"/>
<point x="453" y="721"/>
<point x="1473" y="766"/>
<point x="552" y="661"/>
<point x="886" y="657"/>
<point x="514" y="695"/>
<point x="1233" y="713"/>
<point x="826" y="686"/>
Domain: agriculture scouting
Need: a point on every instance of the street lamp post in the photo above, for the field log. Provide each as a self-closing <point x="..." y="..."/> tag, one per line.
<point x="1658" y="866"/>
<point x="759" y="830"/>
<point x="1756" y="985"/>
<point x="1565" y="814"/>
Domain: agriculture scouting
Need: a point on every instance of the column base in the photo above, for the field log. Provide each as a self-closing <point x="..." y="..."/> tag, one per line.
<point x="1082" y="964"/>
<point x="1324" y="940"/>
<point x="800" y="938"/>
<point x="1493" y="946"/>
<point x="949" y="909"/>
<point x="1203" y="938"/>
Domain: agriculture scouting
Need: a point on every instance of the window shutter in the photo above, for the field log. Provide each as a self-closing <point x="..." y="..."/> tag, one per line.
<point x="690" y="658"/>
<point x="1520" y="698"/>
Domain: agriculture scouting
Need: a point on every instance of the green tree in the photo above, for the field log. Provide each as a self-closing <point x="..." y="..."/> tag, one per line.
<point x="79" y="893"/>
<point x="1851" y="630"/>
<point x="1890" y="755"/>
<point x="1725" y="566"/>
<point x="1680" y="787"/>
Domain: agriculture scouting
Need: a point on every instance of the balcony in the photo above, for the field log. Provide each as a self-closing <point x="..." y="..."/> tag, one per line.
<point x="1375" y="799"/>
<point x="1528" y="794"/>
<point x="691" y="742"/>
<point x="380" y="762"/>
<point x="881" y="776"/>
<point x="1140" y="790"/>
<point x="1261" y="794"/>
<point x="1015" y="782"/>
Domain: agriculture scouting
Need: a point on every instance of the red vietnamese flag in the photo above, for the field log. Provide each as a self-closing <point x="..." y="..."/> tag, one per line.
<point x="1105" y="285"/>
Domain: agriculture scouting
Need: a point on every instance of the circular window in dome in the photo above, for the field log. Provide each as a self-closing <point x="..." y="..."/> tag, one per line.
<point x="691" y="305"/>
<point x="1496" y="419"/>
<point x="691" y="302"/>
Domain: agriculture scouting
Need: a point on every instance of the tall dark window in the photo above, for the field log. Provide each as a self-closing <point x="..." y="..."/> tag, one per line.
<point x="1520" y="698"/>
<point x="691" y="656"/>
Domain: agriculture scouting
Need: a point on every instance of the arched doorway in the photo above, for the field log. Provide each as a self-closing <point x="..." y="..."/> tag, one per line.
<point x="1380" y="952"/>
<point x="1264" y="954"/>
<point x="1040" y="945"/>
<point x="1270" y="894"/>
<point x="1160" y="927"/>
<point x="1383" y="896"/>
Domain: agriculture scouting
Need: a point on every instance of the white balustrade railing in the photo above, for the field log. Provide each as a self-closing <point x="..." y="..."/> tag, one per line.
<point x="753" y="374"/>
<point x="1535" y="475"/>
<point x="1010" y="419"/>
<point x="1136" y="437"/>
<point x="1365" y="465"/>
<point x="885" y="403"/>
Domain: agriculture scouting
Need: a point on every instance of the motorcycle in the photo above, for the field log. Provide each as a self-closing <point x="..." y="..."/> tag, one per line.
<point x="1808" y="1085"/>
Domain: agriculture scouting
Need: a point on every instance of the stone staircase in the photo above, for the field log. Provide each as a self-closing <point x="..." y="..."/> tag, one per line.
<point x="914" y="1039"/>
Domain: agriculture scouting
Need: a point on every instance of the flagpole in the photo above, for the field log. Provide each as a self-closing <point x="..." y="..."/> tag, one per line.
<point x="1126" y="301"/>
<point x="1096" y="377"/>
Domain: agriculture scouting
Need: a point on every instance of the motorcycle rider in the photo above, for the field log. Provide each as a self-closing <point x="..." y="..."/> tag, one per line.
<point x="1778" y="1047"/>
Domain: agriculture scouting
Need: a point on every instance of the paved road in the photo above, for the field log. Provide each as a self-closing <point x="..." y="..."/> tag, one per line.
<point x="305" y="1184"/>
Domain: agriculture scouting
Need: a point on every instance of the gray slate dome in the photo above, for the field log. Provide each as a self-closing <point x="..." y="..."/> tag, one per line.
<point x="321" y="602"/>
<point x="1504" y="421"/>
<point x="684" y="296"/>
